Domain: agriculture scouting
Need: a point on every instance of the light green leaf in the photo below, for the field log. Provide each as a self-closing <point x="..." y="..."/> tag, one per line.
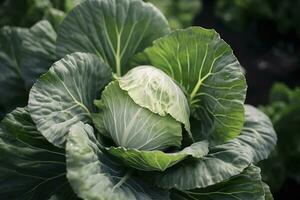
<point x="204" y="65"/>
<point x="24" y="55"/>
<point x="65" y="94"/>
<point x="255" y="143"/>
<point x="151" y="88"/>
<point x="112" y="29"/>
<point x="157" y="160"/>
<point x="30" y="167"/>
<point x="245" y="186"/>
<point x="93" y="175"/>
<point x="132" y="126"/>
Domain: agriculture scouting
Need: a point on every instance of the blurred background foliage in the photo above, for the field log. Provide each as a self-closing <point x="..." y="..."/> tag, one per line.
<point x="265" y="36"/>
<point x="284" y="111"/>
<point x="25" y="13"/>
<point x="180" y="13"/>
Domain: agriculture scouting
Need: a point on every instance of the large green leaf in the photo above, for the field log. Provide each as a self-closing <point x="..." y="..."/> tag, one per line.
<point x="132" y="126"/>
<point x="159" y="93"/>
<point x="93" y="175"/>
<point x="112" y="29"/>
<point x="65" y="94"/>
<point x="30" y="167"/>
<point x="24" y="55"/>
<point x="204" y="65"/>
<point x="255" y="143"/>
<point x="245" y="186"/>
<point x="12" y="90"/>
<point x="38" y="52"/>
<point x="157" y="160"/>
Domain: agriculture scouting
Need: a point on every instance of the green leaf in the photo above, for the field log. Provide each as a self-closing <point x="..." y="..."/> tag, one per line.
<point x="132" y="126"/>
<point x="25" y="54"/>
<point x="255" y="143"/>
<point x="12" y="91"/>
<point x="55" y="17"/>
<point x="38" y="52"/>
<point x="247" y="185"/>
<point x="65" y="94"/>
<point x="159" y="93"/>
<point x="204" y="65"/>
<point x="157" y="160"/>
<point x="30" y="167"/>
<point x="268" y="194"/>
<point x="114" y="30"/>
<point x="93" y="175"/>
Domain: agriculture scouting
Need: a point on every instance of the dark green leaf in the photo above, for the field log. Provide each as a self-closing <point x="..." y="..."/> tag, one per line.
<point x="24" y="55"/>
<point x="30" y="167"/>
<point x="12" y="91"/>
<point x="245" y="186"/>
<point x="38" y="52"/>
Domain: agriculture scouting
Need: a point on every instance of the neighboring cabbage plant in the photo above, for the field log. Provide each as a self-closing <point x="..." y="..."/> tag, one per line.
<point x="284" y="111"/>
<point x="134" y="111"/>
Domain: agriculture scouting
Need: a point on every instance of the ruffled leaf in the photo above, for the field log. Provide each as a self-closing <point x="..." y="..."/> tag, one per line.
<point x="132" y="126"/>
<point x="255" y="143"/>
<point x="112" y="29"/>
<point x="65" y="94"/>
<point x="246" y="186"/>
<point x="25" y="54"/>
<point x="157" y="160"/>
<point x="151" y="88"/>
<point x="30" y="167"/>
<point x="204" y="65"/>
<point x="93" y="175"/>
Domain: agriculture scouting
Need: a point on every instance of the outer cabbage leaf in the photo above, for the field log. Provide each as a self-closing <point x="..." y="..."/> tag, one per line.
<point x="38" y="52"/>
<point x="12" y="90"/>
<point x="24" y="55"/>
<point x="157" y="160"/>
<point x="55" y="17"/>
<point x="112" y="29"/>
<point x="255" y="143"/>
<point x="151" y="88"/>
<point x="204" y="65"/>
<point x="247" y="185"/>
<point x="268" y="194"/>
<point x="30" y="167"/>
<point x="132" y="126"/>
<point x="65" y="94"/>
<point x="93" y="175"/>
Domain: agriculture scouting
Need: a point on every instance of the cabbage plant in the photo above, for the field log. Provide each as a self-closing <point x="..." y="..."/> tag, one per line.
<point x="134" y="111"/>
